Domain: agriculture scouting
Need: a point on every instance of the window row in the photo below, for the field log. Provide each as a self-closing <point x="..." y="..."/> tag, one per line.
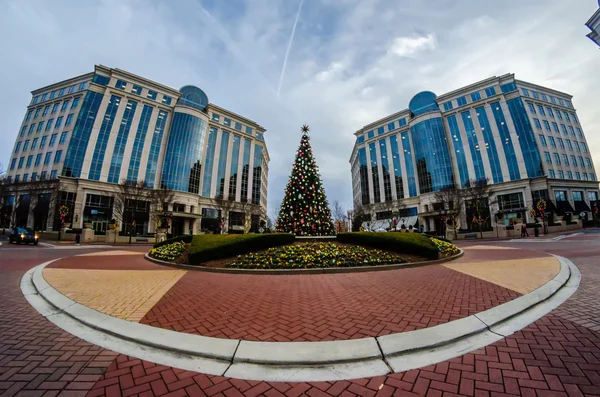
<point x="234" y="124"/>
<point x="58" y="93"/>
<point x="34" y="142"/>
<point x="565" y="160"/>
<point x="137" y="90"/>
<point x="475" y="96"/>
<point x="578" y="175"/>
<point x="556" y="113"/>
<point x="48" y="124"/>
<point x="546" y="98"/>
<point x="51" y="109"/>
<point x="579" y="146"/>
<point x="34" y="176"/>
<point x="22" y="162"/>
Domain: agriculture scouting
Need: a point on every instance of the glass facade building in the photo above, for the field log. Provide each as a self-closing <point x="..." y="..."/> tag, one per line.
<point x="110" y="126"/>
<point x="497" y="130"/>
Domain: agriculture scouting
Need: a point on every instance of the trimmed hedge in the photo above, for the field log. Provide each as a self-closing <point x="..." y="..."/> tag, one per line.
<point x="186" y="238"/>
<point x="207" y="247"/>
<point x="406" y="243"/>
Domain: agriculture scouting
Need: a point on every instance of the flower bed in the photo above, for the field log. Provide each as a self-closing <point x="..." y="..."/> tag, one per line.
<point x="445" y="248"/>
<point x="168" y="252"/>
<point x="314" y="255"/>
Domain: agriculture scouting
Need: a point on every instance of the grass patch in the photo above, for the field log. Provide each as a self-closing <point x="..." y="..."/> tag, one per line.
<point x="207" y="247"/>
<point x="315" y="255"/>
<point x="404" y="243"/>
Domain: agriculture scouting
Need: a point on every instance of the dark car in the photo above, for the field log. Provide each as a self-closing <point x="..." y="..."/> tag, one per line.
<point x="23" y="235"/>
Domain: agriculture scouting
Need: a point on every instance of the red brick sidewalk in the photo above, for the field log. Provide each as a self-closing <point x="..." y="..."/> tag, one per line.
<point x="552" y="357"/>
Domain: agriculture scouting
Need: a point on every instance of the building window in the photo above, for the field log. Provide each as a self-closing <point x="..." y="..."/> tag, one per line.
<point x="58" y="122"/>
<point x="563" y="129"/>
<point x="561" y="144"/>
<point x="551" y="174"/>
<point x="585" y="176"/>
<point x="21" y="161"/>
<point x="370" y="134"/>
<point x="579" y="132"/>
<point x="34" y="177"/>
<point x="531" y="107"/>
<point x="561" y="174"/>
<point x="248" y="130"/>
<point x="574" y="118"/>
<point x="546" y="125"/>
<point x="55" y="107"/>
<point x="46" y="110"/>
<point x="476" y="96"/>
<point x="65" y="105"/>
<point x="448" y="105"/>
<point x="69" y="119"/>
<point x="227" y="121"/>
<point x="576" y="145"/>
<point x="61" y="92"/>
<point x="166" y="100"/>
<point x="37" y="113"/>
<point x="588" y="162"/>
<point x="402" y="122"/>
<point x="569" y="145"/>
<point x="53" y="174"/>
<point x="13" y="163"/>
<point x="565" y="159"/>
<point x="555" y="127"/>
<point x="557" y="111"/>
<point x="535" y="95"/>
<point x="100" y="80"/>
<point x="557" y="158"/>
<point x="489" y="92"/>
<point x="38" y="160"/>
<point x="543" y="140"/>
<point x="537" y="123"/>
<point x="215" y="117"/>
<point x="578" y="175"/>
<point x="25" y="177"/>
<point x="40" y="126"/>
<point x="31" y="129"/>
<point x="541" y="110"/>
<point x="569" y="175"/>
<point x="549" y="111"/>
<point x="462" y="101"/>
<point x="136" y="89"/>
<point x="581" y="163"/>
<point x="57" y="156"/>
<point x="29" y="115"/>
<point x="380" y="131"/>
<point x="552" y="143"/>
<point x="592" y="196"/>
<point x="34" y="143"/>
<point x="511" y="202"/>
<point x="52" y="140"/>
<point x="49" y="124"/>
<point x="47" y="158"/>
<point x="375" y="172"/>
<point x="573" y="161"/>
<point x="238" y="126"/>
<point x="26" y="145"/>
<point x="391" y="126"/>
<point x="566" y="116"/>
<point x="121" y="84"/>
<point x="53" y="95"/>
<point x="525" y="92"/>
<point x="560" y="195"/>
<point x="360" y="139"/>
<point x="18" y="147"/>
<point x="506" y="88"/>
<point x="152" y="95"/>
<point x="63" y="138"/>
<point x="571" y="131"/>
<point x="43" y="141"/>
<point x="29" y="161"/>
<point x="548" y="158"/>
<point x="72" y="89"/>
<point x="43" y="175"/>
<point x="75" y="103"/>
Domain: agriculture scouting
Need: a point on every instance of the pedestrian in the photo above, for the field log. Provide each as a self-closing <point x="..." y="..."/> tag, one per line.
<point x="525" y="234"/>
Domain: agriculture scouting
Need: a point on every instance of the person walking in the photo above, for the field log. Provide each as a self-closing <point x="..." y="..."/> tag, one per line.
<point x="524" y="231"/>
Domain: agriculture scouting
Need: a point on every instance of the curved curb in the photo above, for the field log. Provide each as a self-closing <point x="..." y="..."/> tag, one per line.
<point x="319" y="270"/>
<point x="299" y="361"/>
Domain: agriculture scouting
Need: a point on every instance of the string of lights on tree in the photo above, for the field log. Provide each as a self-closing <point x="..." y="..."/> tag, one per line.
<point x="305" y="210"/>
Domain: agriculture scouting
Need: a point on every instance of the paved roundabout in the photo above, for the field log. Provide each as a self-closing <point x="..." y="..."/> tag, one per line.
<point x="455" y="327"/>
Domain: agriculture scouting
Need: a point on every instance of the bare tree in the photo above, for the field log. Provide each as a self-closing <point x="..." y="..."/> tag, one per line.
<point x="160" y="201"/>
<point x="274" y="217"/>
<point x="451" y="200"/>
<point x="360" y="216"/>
<point x="130" y="198"/>
<point x="477" y="199"/>
<point x="224" y="206"/>
<point x="248" y="209"/>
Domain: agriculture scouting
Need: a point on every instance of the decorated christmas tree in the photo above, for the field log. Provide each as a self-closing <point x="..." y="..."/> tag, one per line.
<point x="305" y="211"/>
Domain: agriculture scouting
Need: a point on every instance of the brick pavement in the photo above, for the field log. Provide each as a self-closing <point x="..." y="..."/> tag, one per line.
<point x="552" y="357"/>
<point x="321" y="306"/>
<point x="126" y="294"/>
<point x="37" y="358"/>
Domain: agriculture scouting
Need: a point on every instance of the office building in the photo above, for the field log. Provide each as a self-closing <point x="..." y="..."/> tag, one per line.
<point x="594" y="25"/>
<point x="523" y="139"/>
<point x="95" y="131"/>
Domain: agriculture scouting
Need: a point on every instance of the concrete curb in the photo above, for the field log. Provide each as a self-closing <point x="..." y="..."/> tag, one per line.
<point x="321" y="270"/>
<point x="299" y="361"/>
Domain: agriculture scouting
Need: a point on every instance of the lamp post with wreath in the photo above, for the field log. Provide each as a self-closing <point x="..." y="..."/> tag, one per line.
<point x="540" y="208"/>
<point x="63" y="211"/>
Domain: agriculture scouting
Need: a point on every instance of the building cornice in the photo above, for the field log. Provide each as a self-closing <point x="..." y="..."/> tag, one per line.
<point x="254" y="124"/>
<point x="542" y="88"/>
<point x="63" y="83"/>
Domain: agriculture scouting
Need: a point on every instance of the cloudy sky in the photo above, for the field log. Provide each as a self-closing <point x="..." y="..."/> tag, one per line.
<point x="350" y="61"/>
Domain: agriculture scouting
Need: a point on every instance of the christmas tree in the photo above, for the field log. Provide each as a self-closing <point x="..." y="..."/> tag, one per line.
<point x="305" y="211"/>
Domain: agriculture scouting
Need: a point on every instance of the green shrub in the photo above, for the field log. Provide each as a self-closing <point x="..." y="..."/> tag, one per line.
<point x="186" y="238"/>
<point x="405" y="243"/>
<point x="207" y="247"/>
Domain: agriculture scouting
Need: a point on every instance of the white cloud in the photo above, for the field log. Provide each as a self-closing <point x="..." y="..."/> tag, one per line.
<point x="409" y="46"/>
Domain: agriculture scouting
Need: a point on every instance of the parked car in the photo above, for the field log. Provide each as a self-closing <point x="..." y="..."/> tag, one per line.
<point x="23" y="235"/>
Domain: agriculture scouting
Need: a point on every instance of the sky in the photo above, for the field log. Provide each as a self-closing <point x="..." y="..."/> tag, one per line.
<point x="336" y="65"/>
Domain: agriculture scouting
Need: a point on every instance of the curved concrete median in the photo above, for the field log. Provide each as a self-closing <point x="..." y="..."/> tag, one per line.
<point x="299" y="361"/>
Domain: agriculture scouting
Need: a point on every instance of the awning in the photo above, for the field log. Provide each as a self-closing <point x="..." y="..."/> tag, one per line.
<point x="581" y="206"/>
<point x="562" y="207"/>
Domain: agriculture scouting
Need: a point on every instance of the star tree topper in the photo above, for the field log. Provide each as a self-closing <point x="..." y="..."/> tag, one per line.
<point x="305" y="129"/>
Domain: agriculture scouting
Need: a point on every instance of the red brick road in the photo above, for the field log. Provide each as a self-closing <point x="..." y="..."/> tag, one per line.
<point x="36" y="357"/>
<point x="552" y="357"/>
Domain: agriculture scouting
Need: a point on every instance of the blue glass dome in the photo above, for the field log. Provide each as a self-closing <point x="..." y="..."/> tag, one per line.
<point x="423" y="102"/>
<point x="193" y="97"/>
